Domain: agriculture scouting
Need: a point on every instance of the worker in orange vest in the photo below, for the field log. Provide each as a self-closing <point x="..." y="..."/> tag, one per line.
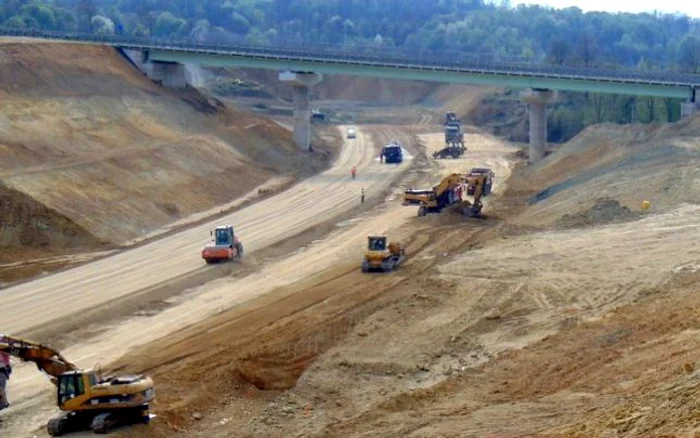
<point x="5" y="371"/>
<point x="353" y="171"/>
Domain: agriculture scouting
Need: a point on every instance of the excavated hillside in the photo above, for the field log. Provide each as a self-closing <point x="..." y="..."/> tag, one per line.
<point x="111" y="156"/>
<point x="630" y="163"/>
<point x="569" y="311"/>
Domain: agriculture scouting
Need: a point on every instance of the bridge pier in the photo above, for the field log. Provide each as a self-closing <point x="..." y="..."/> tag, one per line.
<point x="301" y="83"/>
<point x="537" y="100"/>
<point x="692" y="106"/>
<point x="169" y="74"/>
<point x="688" y="109"/>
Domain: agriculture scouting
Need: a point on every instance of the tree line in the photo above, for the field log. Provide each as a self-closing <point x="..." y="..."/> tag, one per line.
<point x="491" y="28"/>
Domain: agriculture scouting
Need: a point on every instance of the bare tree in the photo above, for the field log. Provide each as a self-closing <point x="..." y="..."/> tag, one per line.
<point x="586" y="48"/>
<point x="597" y="106"/>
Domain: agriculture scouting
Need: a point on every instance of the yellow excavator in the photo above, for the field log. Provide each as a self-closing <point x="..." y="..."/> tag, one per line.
<point x="87" y="400"/>
<point x="478" y="183"/>
<point x="382" y="257"/>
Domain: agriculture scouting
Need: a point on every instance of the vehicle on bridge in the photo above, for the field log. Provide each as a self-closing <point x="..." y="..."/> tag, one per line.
<point x="225" y="246"/>
<point x="392" y="153"/>
<point x="87" y="400"/>
<point x="318" y="115"/>
<point x="454" y="138"/>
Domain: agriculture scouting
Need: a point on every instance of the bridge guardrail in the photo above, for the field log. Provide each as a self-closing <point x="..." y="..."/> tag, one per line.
<point x="362" y="55"/>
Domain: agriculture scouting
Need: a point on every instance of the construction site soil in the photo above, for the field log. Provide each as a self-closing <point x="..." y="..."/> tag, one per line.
<point x="566" y="311"/>
<point x="93" y="155"/>
<point x="521" y="323"/>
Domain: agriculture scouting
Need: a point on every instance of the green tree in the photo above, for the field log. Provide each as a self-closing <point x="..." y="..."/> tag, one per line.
<point x="41" y="14"/>
<point x="15" y="22"/>
<point x="559" y="51"/>
<point x="86" y="10"/>
<point x="239" y="24"/>
<point x="689" y="54"/>
<point x="168" y="25"/>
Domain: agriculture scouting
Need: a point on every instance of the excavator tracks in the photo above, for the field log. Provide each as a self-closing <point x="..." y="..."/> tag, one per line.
<point x="99" y="423"/>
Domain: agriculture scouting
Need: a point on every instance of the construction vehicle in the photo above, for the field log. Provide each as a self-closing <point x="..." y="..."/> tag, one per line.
<point x="382" y="257"/>
<point x="454" y="139"/>
<point x="392" y="152"/>
<point x="448" y="192"/>
<point x="87" y="400"/>
<point x="318" y="115"/>
<point x="477" y="183"/>
<point x="225" y="246"/>
<point x="488" y="181"/>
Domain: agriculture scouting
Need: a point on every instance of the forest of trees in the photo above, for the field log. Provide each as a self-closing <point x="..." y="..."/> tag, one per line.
<point x="565" y="37"/>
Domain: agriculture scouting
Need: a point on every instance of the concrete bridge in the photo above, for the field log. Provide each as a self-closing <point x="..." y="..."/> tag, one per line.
<point x="303" y="67"/>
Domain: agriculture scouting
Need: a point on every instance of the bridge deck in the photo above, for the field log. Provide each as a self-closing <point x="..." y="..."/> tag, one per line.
<point x="397" y="64"/>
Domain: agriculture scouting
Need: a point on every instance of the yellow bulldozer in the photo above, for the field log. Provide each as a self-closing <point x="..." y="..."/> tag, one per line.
<point x="87" y="400"/>
<point x="382" y="257"/>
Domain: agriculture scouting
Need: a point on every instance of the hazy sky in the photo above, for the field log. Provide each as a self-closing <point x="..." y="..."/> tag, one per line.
<point x="688" y="7"/>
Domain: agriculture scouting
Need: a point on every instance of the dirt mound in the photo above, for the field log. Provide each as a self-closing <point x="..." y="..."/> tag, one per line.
<point x="602" y="212"/>
<point x="86" y="134"/>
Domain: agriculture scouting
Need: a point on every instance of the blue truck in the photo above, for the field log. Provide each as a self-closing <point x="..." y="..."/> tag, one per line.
<point x="392" y="153"/>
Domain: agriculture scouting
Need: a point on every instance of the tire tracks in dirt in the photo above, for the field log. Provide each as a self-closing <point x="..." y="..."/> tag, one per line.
<point x="30" y="389"/>
<point x="311" y="202"/>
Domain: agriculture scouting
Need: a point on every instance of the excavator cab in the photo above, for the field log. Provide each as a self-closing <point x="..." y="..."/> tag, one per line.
<point x="70" y="385"/>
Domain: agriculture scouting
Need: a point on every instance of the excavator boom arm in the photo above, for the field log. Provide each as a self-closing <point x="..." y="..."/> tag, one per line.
<point x="46" y="358"/>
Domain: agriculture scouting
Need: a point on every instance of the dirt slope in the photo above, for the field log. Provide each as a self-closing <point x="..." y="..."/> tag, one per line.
<point x="29" y="230"/>
<point x="84" y="133"/>
<point x="628" y="163"/>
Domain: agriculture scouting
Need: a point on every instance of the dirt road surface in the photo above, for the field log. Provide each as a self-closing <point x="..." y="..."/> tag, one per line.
<point x="280" y="323"/>
<point x="311" y="202"/>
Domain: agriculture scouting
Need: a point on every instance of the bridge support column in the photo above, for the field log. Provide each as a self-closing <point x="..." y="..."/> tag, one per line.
<point x="688" y="109"/>
<point x="692" y="106"/>
<point x="169" y="74"/>
<point x="537" y="101"/>
<point x="301" y="84"/>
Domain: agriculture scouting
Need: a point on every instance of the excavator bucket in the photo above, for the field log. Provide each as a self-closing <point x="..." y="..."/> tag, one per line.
<point x="471" y="210"/>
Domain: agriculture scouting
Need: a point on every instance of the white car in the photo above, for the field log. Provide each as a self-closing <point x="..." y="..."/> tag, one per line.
<point x="352" y="132"/>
